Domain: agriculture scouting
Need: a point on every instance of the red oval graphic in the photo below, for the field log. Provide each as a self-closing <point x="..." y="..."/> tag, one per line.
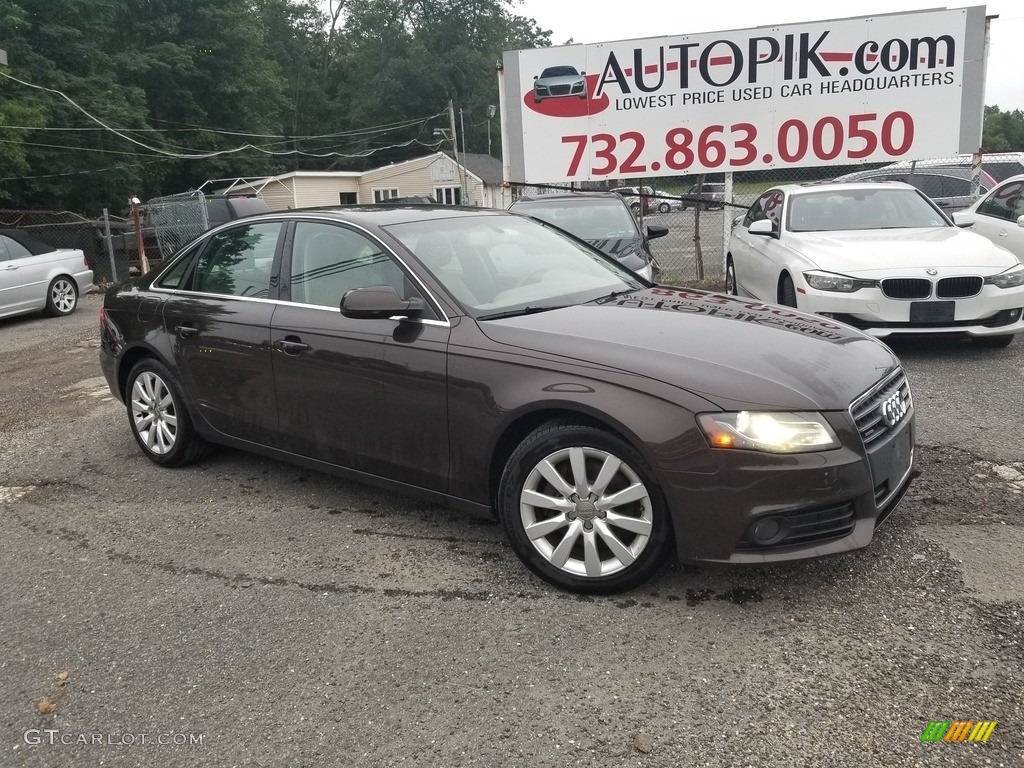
<point x="569" y="106"/>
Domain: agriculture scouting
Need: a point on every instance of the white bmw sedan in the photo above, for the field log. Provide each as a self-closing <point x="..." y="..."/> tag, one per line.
<point x="879" y="256"/>
<point x="35" y="276"/>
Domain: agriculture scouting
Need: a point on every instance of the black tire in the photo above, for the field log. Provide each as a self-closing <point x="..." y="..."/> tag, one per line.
<point x="664" y="207"/>
<point x="61" y="296"/>
<point x="992" y="342"/>
<point x="635" y="208"/>
<point x="625" y="547"/>
<point x="731" y="286"/>
<point x="154" y="397"/>
<point x="787" y="293"/>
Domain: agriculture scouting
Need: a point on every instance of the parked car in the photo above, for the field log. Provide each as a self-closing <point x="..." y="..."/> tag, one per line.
<point x="999" y="216"/>
<point x="710" y="197"/>
<point x="949" y="187"/>
<point x="35" y="276"/>
<point x="556" y="82"/>
<point x="639" y="199"/>
<point x="601" y="219"/>
<point x="491" y="362"/>
<point x="997" y="166"/>
<point x="879" y="256"/>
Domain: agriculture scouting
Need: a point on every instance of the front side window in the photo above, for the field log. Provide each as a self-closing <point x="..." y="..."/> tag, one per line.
<point x="767" y="206"/>
<point x="1005" y="202"/>
<point x="238" y="261"/>
<point x="330" y="260"/>
<point x="12" y="249"/>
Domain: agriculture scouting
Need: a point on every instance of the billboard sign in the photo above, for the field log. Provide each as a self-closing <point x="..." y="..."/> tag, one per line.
<point x="869" y="89"/>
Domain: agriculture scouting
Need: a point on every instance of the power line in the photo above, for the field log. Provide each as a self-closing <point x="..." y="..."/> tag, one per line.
<point x="188" y="153"/>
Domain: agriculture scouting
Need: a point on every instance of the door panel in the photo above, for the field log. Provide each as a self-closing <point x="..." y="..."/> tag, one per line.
<point x="220" y="322"/>
<point x="368" y="394"/>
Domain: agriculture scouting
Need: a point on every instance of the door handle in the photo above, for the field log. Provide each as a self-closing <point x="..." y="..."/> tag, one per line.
<point x="12" y="266"/>
<point x="185" y="331"/>
<point x="291" y="346"/>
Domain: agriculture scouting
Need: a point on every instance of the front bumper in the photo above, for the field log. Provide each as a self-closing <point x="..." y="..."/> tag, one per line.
<point x="820" y="503"/>
<point x="993" y="312"/>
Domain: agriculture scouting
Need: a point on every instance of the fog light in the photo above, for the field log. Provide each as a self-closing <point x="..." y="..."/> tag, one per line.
<point x="1014" y="314"/>
<point x="768" y="530"/>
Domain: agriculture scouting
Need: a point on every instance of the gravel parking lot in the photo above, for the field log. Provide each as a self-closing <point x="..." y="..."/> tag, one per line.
<point x="245" y="612"/>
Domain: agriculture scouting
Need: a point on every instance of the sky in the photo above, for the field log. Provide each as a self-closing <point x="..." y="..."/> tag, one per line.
<point x="585" y="22"/>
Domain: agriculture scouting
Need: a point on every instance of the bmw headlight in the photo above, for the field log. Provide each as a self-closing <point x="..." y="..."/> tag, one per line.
<point x="1011" y="278"/>
<point x="828" y="281"/>
<point x="768" y="431"/>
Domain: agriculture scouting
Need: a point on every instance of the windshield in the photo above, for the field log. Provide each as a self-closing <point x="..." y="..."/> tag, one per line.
<point x="496" y="264"/>
<point x="600" y="219"/>
<point x="560" y="72"/>
<point x="883" y="208"/>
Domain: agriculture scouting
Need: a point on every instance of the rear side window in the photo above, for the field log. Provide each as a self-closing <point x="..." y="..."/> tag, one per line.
<point x="238" y="261"/>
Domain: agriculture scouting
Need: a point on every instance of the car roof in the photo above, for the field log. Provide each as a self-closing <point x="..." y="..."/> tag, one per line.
<point x="33" y="244"/>
<point x="380" y="215"/>
<point x="568" y="196"/>
<point x="841" y="186"/>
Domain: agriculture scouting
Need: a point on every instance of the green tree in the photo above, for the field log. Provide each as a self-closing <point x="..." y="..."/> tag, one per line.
<point x="1003" y="131"/>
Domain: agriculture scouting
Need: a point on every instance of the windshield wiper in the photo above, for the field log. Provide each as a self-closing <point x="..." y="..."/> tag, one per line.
<point x="612" y="295"/>
<point x="522" y="311"/>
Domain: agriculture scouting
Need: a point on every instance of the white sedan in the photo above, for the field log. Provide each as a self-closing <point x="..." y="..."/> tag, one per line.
<point x="999" y="216"/>
<point x="876" y="255"/>
<point x="35" y="276"/>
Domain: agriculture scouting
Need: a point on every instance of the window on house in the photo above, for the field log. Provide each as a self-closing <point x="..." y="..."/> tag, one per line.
<point x="448" y="195"/>
<point x="380" y="195"/>
<point x="348" y="198"/>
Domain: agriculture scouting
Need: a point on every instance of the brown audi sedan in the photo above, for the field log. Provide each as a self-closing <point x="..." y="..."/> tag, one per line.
<point x="490" y="362"/>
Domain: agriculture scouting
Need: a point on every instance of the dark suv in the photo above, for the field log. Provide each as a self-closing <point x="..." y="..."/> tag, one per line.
<point x="603" y="220"/>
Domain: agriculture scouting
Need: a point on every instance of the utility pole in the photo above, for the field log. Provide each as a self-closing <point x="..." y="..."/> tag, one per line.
<point x="455" y="147"/>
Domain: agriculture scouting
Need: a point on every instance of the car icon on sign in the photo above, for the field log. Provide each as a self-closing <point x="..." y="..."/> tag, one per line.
<point x="556" y="82"/>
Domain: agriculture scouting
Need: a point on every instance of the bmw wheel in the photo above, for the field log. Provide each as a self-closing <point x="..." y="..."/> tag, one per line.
<point x="730" y="278"/>
<point x="159" y="419"/>
<point x="61" y="297"/>
<point x="581" y="510"/>
<point x="787" y="293"/>
<point x="664" y="207"/>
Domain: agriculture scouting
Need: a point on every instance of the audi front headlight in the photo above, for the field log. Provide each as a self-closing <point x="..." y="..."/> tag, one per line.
<point x="1011" y="278"/>
<point x="768" y="431"/>
<point x="828" y="281"/>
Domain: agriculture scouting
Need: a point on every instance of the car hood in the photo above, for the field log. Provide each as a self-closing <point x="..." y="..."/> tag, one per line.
<point x="735" y="353"/>
<point x="883" y="252"/>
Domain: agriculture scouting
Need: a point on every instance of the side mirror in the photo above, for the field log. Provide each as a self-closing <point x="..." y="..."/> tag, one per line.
<point x="963" y="219"/>
<point x="655" y="231"/>
<point x="762" y="227"/>
<point x="379" y="302"/>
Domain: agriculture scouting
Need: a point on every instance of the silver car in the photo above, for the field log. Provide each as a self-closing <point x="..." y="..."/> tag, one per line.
<point x="555" y="82"/>
<point x="35" y="276"/>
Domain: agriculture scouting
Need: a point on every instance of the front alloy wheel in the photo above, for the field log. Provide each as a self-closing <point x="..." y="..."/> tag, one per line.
<point x="581" y="511"/>
<point x="730" y="279"/>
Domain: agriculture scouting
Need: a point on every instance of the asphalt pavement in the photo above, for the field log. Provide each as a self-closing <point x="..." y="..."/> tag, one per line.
<point x="246" y="612"/>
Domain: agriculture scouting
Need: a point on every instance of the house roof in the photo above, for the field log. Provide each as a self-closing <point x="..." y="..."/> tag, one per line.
<point x="486" y="168"/>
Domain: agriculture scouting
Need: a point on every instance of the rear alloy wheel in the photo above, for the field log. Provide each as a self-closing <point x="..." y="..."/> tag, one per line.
<point x="159" y="420"/>
<point x="664" y="207"/>
<point x="582" y="511"/>
<point x="730" y="278"/>
<point x="61" y="297"/>
<point x="787" y="293"/>
<point x="992" y="342"/>
<point x="635" y="208"/>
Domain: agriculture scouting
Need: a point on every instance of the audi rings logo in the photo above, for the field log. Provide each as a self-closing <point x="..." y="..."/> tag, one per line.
<point x="893" y="408"/>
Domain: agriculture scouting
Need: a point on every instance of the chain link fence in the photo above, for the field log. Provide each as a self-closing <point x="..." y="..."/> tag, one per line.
<point x="700" y="211"/>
